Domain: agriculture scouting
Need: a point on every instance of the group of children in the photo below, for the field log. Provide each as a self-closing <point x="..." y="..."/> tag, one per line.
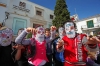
<point x="41" y="48"/>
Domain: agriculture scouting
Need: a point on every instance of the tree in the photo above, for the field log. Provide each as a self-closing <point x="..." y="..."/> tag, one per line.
<point x="61" y="13"/>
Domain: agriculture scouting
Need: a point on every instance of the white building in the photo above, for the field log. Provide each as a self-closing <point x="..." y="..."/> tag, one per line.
<point x="89" y="25"/>
<point x="23" y="13"/>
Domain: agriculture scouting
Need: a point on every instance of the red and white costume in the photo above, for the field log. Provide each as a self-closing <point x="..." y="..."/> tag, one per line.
<point x="75" y="53"/>
<point x="74" y="50"/>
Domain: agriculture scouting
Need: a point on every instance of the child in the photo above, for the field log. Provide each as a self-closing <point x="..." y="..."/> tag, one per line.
<point x="20" y="55"/>
<point x="6" y="37"/>
<point x="93" y="51"/>
<point x="59" y="57"/>
<point x="92" y="59"/>
<point x="48" y="34"/>
<point x="38" y="39"/>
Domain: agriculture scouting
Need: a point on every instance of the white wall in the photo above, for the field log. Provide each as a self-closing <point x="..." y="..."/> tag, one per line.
<point x="2" y="10"/>
<point x="46" y="13"/>
<point x="29" y="5"/>
<point x="16" y="2"/>
<point x="83" y="23"/>
<point x="2" y="13"/>
<point x="47" y="16"/>
<point x="79" y="24"/>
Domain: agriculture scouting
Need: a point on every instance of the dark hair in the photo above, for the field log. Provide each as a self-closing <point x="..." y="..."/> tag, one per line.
<point x="1" y="24"/>
<point x="90" y="36"/>
<point x="47" y="29"/>
<point x="21" y="29"/>
<point x="70" y="22"/>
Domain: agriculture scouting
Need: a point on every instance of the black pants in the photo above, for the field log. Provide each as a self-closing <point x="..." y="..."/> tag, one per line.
<point x="30" y="64"/>
<point x="58" y="63"/>
<point x="50" y="60"/>
<point x="5" y="56"/>
<point x="21" y="63"/>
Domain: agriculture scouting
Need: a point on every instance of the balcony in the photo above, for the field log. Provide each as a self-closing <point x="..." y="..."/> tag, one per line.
<point x="96" y="25"/>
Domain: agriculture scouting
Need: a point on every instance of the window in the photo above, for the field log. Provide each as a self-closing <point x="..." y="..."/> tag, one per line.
<point x="51" y="16"/>
<point x="90" y="24"/>
<point x="38" y="13"/>
<point x="18" y="24"/>
<point x="36" y="25"/>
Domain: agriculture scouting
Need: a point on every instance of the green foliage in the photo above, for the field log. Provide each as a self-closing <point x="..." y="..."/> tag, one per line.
<point x="61" y="13"/>
<point x="29" y="35"/>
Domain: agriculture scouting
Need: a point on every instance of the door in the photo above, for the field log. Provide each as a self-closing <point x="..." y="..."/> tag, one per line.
<point x="18" y="24"/>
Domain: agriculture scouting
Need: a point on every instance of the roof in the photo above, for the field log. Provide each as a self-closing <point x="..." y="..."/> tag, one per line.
<point x="98" y="15"/>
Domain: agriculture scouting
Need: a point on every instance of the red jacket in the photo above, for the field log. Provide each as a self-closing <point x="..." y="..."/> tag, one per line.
<point x="74" y="49"/>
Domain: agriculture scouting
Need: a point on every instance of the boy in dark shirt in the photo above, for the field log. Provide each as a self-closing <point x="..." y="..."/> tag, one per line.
<point x="48" y="38"/>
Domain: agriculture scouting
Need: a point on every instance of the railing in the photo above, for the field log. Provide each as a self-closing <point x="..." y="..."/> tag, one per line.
<point x="96" y="25"/>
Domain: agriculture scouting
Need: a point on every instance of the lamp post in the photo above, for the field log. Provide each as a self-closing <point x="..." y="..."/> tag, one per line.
<point x="6" y="17"/>
<point x="7" y="14"/>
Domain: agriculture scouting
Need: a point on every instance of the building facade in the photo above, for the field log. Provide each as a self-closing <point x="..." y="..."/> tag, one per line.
<point x="89" y="26"/>
<point x="23" y="14"/>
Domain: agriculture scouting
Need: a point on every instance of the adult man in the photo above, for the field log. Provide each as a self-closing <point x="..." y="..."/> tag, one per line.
<point x="74" y="46"/>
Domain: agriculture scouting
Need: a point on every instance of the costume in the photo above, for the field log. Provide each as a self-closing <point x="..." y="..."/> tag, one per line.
<point x="6" y="37"/>
<point x="59" y="57"/>
<point x="75" y="53"/>
<point x="40" y="43"/>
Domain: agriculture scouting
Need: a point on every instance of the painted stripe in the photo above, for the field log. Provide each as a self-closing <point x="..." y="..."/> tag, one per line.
<point x="76" y="49"/>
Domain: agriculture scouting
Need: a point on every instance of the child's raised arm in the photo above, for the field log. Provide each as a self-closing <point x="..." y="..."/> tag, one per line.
<point x="19" y="48"/>
<point x="21" y="38"/>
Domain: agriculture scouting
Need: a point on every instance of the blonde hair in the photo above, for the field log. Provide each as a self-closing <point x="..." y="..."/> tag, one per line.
<point x="91" y="55"/>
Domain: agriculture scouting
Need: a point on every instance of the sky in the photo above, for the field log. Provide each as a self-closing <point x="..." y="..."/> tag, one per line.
<point x="84" y="8"/>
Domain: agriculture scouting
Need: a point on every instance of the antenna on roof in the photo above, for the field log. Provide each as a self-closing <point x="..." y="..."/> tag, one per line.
<point x="75" y="11"/>
<point x="76" y="14"/>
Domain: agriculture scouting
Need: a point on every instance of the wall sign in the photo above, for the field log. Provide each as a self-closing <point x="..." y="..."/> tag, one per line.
<point x="21" y="6"/>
